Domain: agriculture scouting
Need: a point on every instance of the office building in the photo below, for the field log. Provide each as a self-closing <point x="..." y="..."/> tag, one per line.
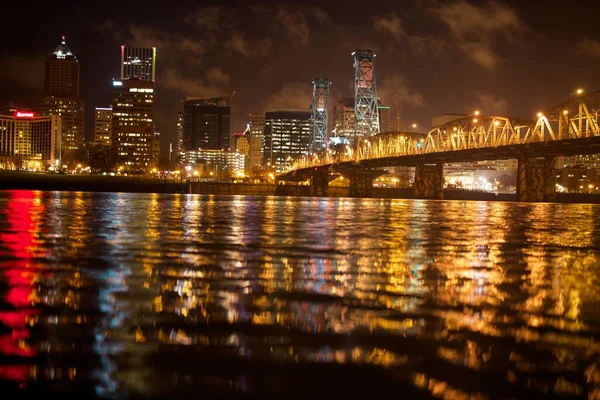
<point x="384" y="118"/>
<point x="287" y="135"/>
<point x="133" y="135"/>
<point x="206" y="123"/>
<point x="215" y="163"/>
<point x="257" y="124"/>
<point x="179" y="132"/>
<point x="61" y="97"/>
<point x="138" y="63"/>
<point x="103" y="126"/>
<point x="255" y="155"/>
<point x="29" y="141"/>
<point x="343" y="118"/>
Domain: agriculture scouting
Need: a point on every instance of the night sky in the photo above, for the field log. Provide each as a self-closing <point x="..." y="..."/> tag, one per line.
<point x="510" y="58"/>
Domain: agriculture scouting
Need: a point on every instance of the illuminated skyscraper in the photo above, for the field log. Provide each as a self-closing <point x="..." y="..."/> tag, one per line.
<point x="132" y="143"/>
<point x="103" y="126"/>
<point x="206" y="123"/>
<point x="138" y="63"/>
<point x="287" y="135"/>
<point x="61" y="96"/>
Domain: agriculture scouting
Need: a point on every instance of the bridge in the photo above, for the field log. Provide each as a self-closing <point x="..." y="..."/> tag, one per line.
<point x="567" y="129"/>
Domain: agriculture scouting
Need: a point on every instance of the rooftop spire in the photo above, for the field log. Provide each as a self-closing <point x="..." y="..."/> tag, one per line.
<point x="62" y="50"/>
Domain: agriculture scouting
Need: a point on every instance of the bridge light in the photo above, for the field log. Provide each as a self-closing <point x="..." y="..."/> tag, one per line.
<point x="476" y="112"/>
<point x="540" y="114"/>
<point x="475" y="120"/>
<point x="454" y="129"/>
<point x="496" y="123"/>
<point x="579" y="91"/>
<point x="565" y="112"/>
<point x="414" y="126"/>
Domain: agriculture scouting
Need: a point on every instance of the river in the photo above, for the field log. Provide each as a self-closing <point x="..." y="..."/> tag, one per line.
<point x="118" y="295"/>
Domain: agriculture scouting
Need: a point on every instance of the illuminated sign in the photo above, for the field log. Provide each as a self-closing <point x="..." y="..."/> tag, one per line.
<point x="23" y="114"/>
<point x="117" y="83"/>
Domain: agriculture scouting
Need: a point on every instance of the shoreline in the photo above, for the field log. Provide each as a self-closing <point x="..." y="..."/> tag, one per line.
<point x="19" y="180"/>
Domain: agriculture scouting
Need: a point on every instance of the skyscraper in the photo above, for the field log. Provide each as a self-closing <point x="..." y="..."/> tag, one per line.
<point x="287" y="135"/>
<point x="61" y="97"/>
<point x="103" y="126"/>
<point x="384" y="118"/>
<point x="138" y="63"/>
<point x="206" y="123"/>
<point x="132" y="142"/>
<point x="343" y="118"/>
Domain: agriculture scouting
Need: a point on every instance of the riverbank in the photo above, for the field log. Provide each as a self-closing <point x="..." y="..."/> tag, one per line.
<point x="18" y="180"/>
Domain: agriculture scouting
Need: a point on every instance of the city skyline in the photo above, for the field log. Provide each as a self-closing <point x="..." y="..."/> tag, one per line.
<point x="215" y="50"/>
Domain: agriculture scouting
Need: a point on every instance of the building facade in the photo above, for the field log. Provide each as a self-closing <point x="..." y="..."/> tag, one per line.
<point x="384" y="118"/>
<point x="103" y="126"/>
<point x="343" y="117"/>
<point x="206" y="123"/>
<point x="138" y="63"/>
<point x="29" y="141"/>
<point x="287" y="135"/>
<point x="61" y="97"/>
<point x="133" y="136"/>
<point x="215" y="163"/>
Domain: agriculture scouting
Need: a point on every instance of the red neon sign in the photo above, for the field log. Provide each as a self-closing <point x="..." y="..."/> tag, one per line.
<point x="23" y="114"/>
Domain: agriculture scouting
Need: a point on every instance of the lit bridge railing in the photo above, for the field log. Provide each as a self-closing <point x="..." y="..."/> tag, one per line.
<point x="472" y="132"/>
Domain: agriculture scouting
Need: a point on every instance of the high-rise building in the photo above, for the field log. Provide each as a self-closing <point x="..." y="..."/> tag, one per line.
<point x="156" y="148"/>
<point x="133" y="135"/>
<point x="257" y="124"/>
<point x="138" y="63"/>
<point x="343" y="118"/>
<point x="61" y="97"/>
<point x="287" y="135"/>
<point x="29" y="141"/>
<point x="384" y="118"/>
<point x="221" y="163"/>
<point x="206" y="123"/>
<point x="103" y="126"/>
<point x="255" y="155"/>
<point x="179" y="132"/>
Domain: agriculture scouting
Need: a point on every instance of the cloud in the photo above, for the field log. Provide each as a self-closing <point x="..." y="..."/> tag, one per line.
<point x="173" y="79"/>
<point x="321" y="15"/>
<point x="190" y="49"/>
<point x="206" y="18"/>
<point x="294" y="21"/>
<point x="24" y="70"/>
<point x="391" y="24"/>
<point x="589" y="46"/>
<point x="490" y="105"/>
<point x="475" y="27"/>
<point x="218" y="75"/>
<point x="294" y="96"/>
<point x="395" y="85"/>
<point x="110" y="28"/>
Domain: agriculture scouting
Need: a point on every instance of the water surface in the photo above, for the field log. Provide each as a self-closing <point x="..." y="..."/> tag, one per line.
<point x="184" y="296"/>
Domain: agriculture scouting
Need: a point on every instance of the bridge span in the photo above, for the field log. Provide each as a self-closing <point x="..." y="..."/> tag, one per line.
<point x="570" y="128"/>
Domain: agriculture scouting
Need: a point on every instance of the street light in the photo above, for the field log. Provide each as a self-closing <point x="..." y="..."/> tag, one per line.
<point x="540" y="114"/>
<point x="476" y="113"/>
<point x="414" y="126"/>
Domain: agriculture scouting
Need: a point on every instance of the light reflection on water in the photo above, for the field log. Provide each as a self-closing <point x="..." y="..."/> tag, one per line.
<point x="126" y="295"/>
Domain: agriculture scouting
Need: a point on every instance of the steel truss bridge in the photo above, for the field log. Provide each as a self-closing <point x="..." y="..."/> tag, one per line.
<point x="570" y="128"/>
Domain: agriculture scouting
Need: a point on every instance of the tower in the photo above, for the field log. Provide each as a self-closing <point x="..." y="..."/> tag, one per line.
<point x="318" y="137"/>
<point x="365" y="95"/>
<point x="61" y="98"/>
<point x="138" y="63"/>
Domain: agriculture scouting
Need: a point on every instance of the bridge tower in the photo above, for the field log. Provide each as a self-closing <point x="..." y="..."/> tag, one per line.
<point x="318" y="139"/>
<point x="366" y="120"/>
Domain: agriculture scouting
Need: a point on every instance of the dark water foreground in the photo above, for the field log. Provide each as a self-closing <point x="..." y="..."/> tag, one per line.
<point x="180" y="296"/>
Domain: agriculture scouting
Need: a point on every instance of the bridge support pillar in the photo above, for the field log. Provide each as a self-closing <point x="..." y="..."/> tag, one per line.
<point x="429" y="181"/>
<point x="319" y="183"/>
<point x="361" y="183"/>
<point x="536" y="179"/>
